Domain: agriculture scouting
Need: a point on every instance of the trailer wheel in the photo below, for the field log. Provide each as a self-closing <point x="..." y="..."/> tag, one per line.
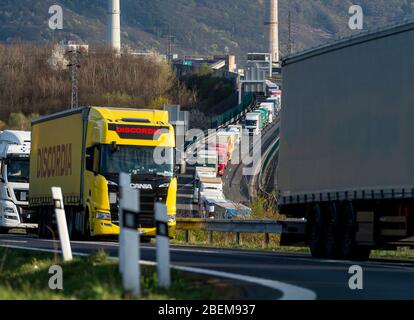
<point x="315" y="232"/>
<point x="44" y="225"/>
<point x="348" y="245"/>
<point x="331" y="243"/>
<point x="69" y="221"/>
<point x="349" y="248"/>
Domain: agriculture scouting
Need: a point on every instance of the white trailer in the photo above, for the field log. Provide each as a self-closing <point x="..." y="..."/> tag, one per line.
<point x="252" y="123"/>
<point x="213" y="203"/>
<point x="14" y="181"/>
<point x="346" y="149"/>
<point x="199" y="173"/>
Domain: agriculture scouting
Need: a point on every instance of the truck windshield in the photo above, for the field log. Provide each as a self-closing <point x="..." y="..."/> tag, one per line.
<point x="251" y="123"/>
<point x="137" y="160"/>
<point x="18" y="170"/>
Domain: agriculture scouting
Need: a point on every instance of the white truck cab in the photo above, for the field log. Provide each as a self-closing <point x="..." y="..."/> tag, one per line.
<point x="14" y="181"/>
<point x="252" y="123"/>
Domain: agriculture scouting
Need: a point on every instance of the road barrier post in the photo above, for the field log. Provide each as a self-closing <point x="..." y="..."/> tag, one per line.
<point x="129" y="254"/>
<point x="163" y="246"/>
<point x="210" y="237"/>
<point x="61" y="223"/>
<point x="238" y="238"/>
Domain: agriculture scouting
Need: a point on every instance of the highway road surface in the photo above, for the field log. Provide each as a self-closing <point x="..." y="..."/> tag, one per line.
<point x="267" y="275"/>
<point x="236" y="185"/>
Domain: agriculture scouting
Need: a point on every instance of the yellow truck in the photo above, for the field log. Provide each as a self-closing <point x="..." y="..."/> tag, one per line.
<point x="83" y="151"/>
<point x="229" y="138"/>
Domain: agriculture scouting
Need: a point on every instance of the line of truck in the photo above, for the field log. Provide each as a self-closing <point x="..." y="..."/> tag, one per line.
<point x="265" y="114"/>
<point x="211" y="165"/>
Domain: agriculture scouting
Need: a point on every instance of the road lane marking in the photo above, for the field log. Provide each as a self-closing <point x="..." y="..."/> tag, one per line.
<point x="289" y="292"/>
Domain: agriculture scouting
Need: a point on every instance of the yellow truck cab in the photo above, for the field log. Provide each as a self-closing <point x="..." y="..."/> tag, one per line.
<point x="83" y="151"/>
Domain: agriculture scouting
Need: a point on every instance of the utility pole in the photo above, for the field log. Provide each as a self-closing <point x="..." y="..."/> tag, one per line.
<point x="170" y="38"/>
<point x="74" y="66"/>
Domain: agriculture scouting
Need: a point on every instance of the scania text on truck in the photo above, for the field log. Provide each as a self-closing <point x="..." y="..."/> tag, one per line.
<point x="83" y="151"/>
<point x="14" y="181"/>
<point x="346" y="150"/>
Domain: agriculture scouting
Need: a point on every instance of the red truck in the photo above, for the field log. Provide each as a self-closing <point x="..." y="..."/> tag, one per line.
<point x="223" y="158"/>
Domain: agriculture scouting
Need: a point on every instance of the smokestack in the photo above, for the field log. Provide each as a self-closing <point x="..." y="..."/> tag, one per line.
<point x="114" y="25"/>
<point x="274" y="30"/>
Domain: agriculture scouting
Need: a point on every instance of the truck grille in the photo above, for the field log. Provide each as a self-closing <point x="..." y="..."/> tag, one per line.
<point x="147" y="214"/>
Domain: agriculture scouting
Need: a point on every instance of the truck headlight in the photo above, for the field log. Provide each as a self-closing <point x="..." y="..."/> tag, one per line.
<point x="165" y="185"/>
<point x="9" y="210"/>
<point x="103" y="216"/>
<point x="171" y="218"/>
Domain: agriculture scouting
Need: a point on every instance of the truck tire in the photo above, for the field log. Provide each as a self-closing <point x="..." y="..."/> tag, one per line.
<point x="350" y="250"/>
<point x="348" y="245"/>
<point x="4" y="230"/>
<point x="70" y="219"/>
<point x="87" y="227"/>
<point x="332" y="235"/>
<point x="42" y="230"/>
<point x="316" y="232"/>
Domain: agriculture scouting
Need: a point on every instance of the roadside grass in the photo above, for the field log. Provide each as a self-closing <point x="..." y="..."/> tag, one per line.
<point x="24" y="275"/>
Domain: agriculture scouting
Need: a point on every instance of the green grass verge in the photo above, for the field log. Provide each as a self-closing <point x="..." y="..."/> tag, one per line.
<point x="24" y="275"/>
<point x="256" y="241"/>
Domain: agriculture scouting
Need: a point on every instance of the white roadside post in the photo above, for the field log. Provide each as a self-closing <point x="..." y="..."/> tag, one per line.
<point x="163" y="246"/>
<point x="129" y="240"/>
<point x="61" y="223"/>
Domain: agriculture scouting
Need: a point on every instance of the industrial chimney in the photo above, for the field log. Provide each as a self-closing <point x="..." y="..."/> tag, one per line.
<point x="114" y="25"/>
<point x="273" y="23"/>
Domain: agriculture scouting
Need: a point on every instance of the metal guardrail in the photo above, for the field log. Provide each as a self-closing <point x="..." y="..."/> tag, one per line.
<point x="266" y="227"/>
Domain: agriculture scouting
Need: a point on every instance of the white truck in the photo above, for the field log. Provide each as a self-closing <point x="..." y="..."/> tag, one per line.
<point x="200" y="173"/>
<point x="277" y="102"/>
<point x="14" y="181"/>
<point x="214" y="205"/>
<point x="270" y="106"/>
<point x="207" y="158"/>
<point x="252" y="123"/>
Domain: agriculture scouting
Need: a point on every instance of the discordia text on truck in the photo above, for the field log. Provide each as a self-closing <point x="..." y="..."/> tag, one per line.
<point x="83" y="151"/>
<point x="346" y="154"/>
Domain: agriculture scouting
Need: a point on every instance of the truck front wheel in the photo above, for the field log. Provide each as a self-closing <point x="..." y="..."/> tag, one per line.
<point x="315" y="232"/>
<point x="87" y="227"/>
